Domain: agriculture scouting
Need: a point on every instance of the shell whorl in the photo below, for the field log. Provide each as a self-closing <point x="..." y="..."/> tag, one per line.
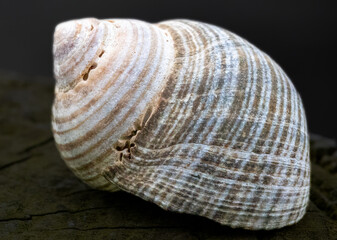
<point x="184" y="114"/>
<point x="101" y="107"/>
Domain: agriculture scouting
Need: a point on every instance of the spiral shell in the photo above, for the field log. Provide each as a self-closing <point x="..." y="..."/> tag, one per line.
<point x="184" y="114"/>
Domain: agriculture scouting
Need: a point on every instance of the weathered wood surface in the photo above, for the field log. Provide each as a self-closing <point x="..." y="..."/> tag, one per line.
<point x="41" y="199"/>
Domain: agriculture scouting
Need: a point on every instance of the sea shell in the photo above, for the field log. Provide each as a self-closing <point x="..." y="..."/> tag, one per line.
<point x="183" y="114"/>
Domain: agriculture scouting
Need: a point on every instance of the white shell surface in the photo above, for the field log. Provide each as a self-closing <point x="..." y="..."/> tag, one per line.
<point x="184" y="114"/>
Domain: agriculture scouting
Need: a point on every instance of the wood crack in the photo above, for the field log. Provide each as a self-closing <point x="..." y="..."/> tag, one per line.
<point x="37" y="145"/>
<point x="15" y="162"/>
<point x="79" y="192"/>
<point x="31" y="216"/>
<point x="27" y="150"/>
<point x="117" y="228"/>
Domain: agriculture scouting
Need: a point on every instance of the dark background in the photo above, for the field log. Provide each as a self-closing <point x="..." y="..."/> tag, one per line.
<point x="299" y="35"/>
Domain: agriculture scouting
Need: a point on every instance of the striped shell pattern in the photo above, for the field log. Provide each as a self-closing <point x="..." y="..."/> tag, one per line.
<point x="183" y="114"/>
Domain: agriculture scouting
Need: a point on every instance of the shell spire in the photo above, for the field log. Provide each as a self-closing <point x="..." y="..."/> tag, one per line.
<point x="73" y="41"/>
<point x="183" y="114"/>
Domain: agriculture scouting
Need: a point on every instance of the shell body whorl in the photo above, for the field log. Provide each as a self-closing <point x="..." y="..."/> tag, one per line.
<point x="184" y="114"/>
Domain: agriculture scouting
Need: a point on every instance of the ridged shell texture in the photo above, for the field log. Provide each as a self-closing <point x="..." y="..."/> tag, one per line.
<point x="184" y="114"/>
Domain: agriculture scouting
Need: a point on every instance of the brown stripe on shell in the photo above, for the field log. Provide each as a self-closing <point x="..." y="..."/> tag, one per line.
<point x="204" y="87"/>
